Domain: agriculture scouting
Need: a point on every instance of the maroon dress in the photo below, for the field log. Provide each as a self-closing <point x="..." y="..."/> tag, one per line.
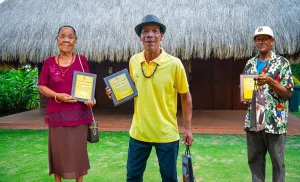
<point x="67" y="145"/>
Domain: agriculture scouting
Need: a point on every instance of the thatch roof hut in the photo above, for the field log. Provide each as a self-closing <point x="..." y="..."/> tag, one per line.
<point x="195" y="29"/>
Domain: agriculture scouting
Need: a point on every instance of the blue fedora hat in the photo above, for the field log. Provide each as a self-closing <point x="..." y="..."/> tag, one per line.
<point x="149" y="19"/>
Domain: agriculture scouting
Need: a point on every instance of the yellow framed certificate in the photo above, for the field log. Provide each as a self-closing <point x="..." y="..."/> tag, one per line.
<point x="121" y="86"/>
<point x="83" y="86"/>
<point x="247" y="86"/>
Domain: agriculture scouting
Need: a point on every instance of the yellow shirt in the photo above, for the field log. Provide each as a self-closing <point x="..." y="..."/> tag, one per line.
<point x="155" y="107"/>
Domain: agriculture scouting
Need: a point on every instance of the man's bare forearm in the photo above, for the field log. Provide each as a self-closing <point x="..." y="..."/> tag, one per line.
<point x="279" y="89"/>
<point x="187" y="109"/>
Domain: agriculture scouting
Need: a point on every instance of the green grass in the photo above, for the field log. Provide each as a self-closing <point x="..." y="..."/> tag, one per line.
<point x="297" y="114"/>
<point x="23" y="155"/>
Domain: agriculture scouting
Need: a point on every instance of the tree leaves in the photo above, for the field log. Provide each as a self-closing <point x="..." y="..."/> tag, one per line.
<point x="18" y="90"/>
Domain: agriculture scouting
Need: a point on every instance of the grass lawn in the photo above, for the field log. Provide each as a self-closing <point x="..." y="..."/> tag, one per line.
<point x="297" y="114"/>
<point x="23" y="155"/>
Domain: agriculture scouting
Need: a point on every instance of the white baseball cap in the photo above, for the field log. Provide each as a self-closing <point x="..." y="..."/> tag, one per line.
<point x="263" y="30"/>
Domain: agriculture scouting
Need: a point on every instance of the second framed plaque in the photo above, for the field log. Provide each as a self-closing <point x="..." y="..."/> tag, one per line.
<point x="121" y="86"/>
<point x="247" y="86"/>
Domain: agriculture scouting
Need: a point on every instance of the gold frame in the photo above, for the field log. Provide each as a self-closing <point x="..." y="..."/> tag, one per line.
<point x="246" y="79"/>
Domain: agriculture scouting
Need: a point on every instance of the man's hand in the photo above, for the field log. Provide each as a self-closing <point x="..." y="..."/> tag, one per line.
<point x="187" y="137"/>
<point x="247" y="102"/>
<point x="263" y="79"/>
<point x="108" y="92"/>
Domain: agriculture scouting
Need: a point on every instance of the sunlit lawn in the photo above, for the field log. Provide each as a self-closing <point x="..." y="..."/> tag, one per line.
<point x="23" y="155"/>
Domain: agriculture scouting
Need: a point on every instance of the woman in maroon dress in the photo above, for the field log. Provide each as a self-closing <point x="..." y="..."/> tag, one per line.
<point x="67" y="119"/>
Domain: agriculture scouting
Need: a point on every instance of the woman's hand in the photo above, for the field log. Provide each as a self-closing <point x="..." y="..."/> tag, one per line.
<point x="65" y="98"/>
<point x="108" y="92"/>
<point x="90" y="103"/>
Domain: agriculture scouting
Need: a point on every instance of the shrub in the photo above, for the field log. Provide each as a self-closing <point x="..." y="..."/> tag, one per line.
<point x="296" y="81"/>
<point x="296" y="70"/>
<point x="18" y="90"/>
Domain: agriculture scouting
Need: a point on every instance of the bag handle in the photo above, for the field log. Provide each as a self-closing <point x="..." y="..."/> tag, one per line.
<point x="81" y="63"/>
<point x="187" y="149"/>
<point x="256" y="87"/>
<point x="94" y="128"/>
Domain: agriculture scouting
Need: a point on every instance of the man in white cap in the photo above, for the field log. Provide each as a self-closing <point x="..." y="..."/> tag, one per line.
<point x="275" y="78"/>
<point x="158" y="78"/>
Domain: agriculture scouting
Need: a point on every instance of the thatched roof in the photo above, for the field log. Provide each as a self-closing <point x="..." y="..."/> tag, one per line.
<point x="195" y="29"/>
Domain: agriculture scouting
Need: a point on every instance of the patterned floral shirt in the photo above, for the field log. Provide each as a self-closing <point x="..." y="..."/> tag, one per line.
<point x="278" y="68"/>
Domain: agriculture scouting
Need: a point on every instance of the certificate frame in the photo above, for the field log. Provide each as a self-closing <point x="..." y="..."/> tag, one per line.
<point x="83" y="86"/>
<point x="121" y="86"/>
<point x="246" y="86"/>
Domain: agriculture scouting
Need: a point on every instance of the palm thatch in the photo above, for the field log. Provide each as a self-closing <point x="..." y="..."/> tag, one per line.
<point x="195" y="29"/>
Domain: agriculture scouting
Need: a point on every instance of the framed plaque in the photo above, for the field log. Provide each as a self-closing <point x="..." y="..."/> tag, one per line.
<point x="121" y="86"/>
<point x="83" y="86"/>
<point x="247" y="86"/>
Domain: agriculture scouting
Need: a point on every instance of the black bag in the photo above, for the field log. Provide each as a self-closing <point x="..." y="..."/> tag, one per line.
<point x="187" y="166"/>
<point x="258" y="114"/>
<point x="93" y="133"/>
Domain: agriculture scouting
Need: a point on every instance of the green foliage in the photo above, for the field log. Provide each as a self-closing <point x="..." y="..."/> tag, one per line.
<point x="215" y="158"/>
<point x="296" y="81"/>
<point x="297" y="114"/>
<point x="18" y="90"/>
<point x="296" y="70"/>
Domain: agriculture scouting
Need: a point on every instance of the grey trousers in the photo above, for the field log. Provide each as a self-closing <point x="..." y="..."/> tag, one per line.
<point x="258" y="144"/>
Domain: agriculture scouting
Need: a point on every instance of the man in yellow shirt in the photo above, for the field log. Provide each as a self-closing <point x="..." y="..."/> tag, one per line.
<point x="158" y="77"/>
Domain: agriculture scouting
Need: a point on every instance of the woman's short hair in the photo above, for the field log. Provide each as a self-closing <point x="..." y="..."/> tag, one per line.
<point x="67" y="26"/>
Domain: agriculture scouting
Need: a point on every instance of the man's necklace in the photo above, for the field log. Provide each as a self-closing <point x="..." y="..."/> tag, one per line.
<point x="63" y="72"/>
<point x="152" y="72"/>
